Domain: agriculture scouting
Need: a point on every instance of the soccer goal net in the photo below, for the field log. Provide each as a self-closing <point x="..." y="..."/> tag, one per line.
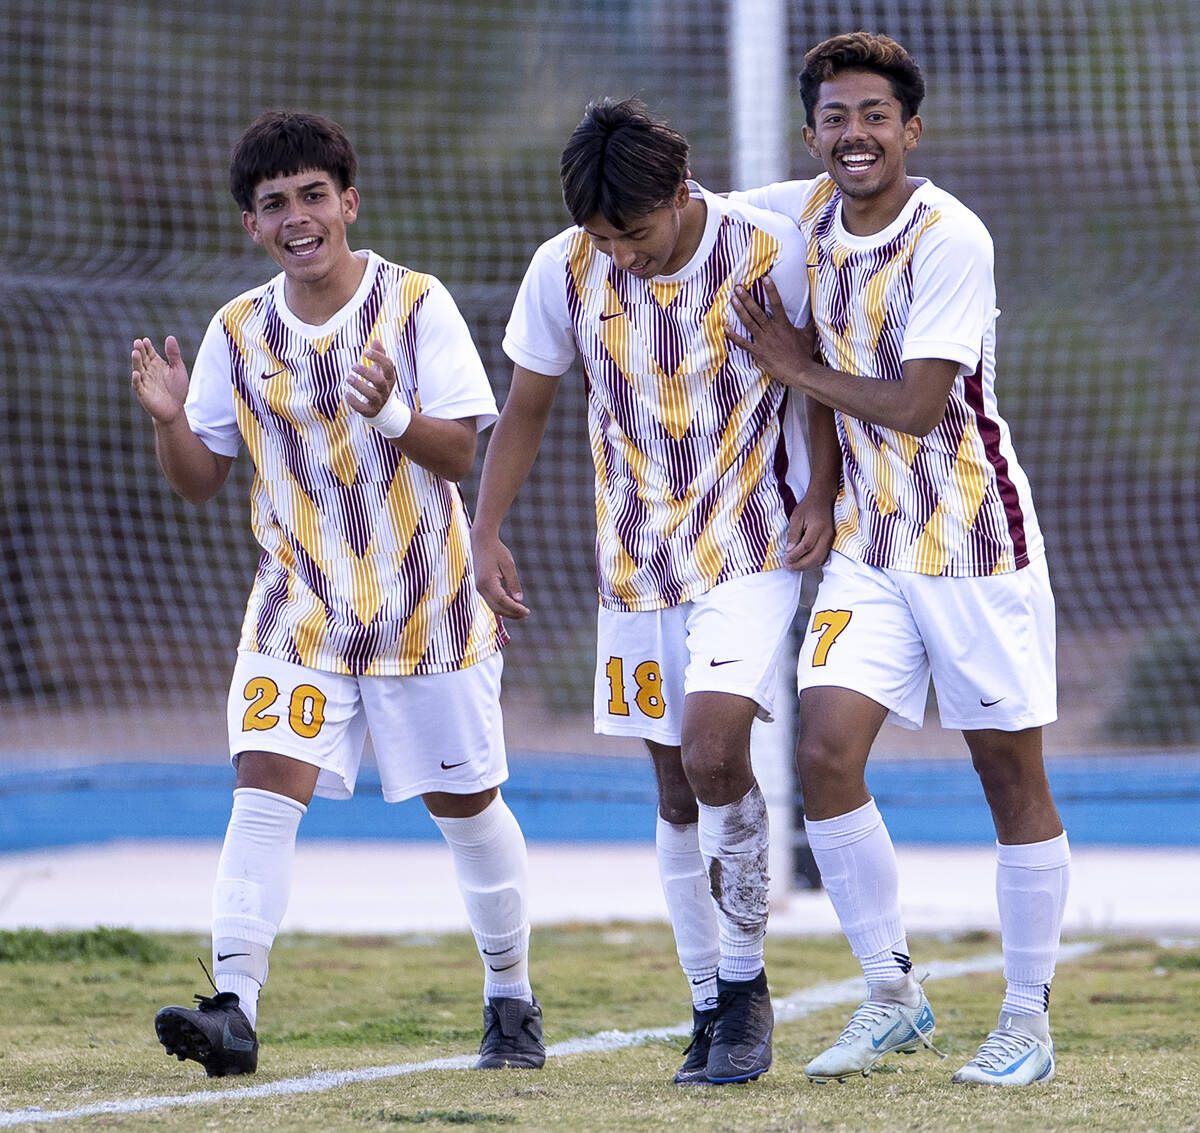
<point x="1070" y="128"/>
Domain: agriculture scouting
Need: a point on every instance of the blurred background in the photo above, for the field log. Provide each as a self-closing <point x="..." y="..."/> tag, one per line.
<point x="1070" y="128"/>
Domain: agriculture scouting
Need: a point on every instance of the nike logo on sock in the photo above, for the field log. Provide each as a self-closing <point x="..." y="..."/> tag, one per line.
<point x="505" y="968"/>
<point x="229" y="955"/>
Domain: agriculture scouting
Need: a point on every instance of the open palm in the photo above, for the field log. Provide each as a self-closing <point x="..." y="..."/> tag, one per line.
<point x="161" y="384"/>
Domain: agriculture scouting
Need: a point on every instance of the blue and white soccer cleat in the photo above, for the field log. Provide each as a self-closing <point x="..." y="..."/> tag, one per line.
<point x="894" y="1016"/>
<point x="1019" y="1052"/>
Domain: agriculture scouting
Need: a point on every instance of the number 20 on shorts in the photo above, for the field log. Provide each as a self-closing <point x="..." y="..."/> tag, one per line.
<point x="648" y="679"/>
<point x="829" y="624"/>
<point x="306" y="709"/>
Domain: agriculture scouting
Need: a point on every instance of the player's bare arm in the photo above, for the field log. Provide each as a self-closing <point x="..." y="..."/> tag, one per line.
<point x="915" y="404"/>
<point x="810" y="526"/>
<point x="193" y="470"/>
<point x="445" y="447"/>
<point x="510" y="456"/>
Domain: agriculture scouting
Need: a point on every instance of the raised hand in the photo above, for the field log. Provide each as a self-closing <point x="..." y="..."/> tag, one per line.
<point x="370" y="383"/>
<point x="161" y="384"/>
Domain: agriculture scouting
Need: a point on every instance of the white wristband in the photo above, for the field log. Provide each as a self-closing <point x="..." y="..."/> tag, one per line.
<point x="393" y="418"/>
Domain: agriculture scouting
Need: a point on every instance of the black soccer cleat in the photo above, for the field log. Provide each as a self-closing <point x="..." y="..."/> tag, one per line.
<point x="512" y="1035"/>
<point x="216" y="1034"/>
<point x="741" y="1040"/>
<point x="694" y="1071"/>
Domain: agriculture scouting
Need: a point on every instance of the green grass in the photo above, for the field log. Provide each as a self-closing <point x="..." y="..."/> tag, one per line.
<point x="76" y="1015"/>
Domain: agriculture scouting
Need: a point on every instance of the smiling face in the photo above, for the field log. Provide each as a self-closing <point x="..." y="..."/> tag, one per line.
<point x="860" y="137"/>
<point x="658" y="243"/>
<point x="300" y="220"/>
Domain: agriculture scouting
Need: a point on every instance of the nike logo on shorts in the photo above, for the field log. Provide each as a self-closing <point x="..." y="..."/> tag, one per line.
<point x="450" y="766"/>
<point x="714" y="663"/>
<point x="988" y="703"/>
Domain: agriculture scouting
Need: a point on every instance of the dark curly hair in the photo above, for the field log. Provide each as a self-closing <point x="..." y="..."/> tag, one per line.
<point x="279" y="143"/>
<point x="862" y="51"/>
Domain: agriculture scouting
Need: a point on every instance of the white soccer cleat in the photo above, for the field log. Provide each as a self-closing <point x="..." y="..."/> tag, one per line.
<point x="1018" y="1052"/>
<point x="894" y="1016"/>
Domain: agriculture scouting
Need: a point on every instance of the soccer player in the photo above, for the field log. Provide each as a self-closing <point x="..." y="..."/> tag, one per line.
<point x="355" y="386"/>
<point x="700" y="461"/>
<point x="938" y="564"/>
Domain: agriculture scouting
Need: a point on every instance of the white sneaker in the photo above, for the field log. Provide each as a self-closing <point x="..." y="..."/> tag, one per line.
<point x="1018" y="1052"/>
<point x="894" y="1016"/>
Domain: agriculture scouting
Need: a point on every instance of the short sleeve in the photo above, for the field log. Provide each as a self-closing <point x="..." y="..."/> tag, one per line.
<point x="209" y="403"/>
<point x="451" y="380"/>
<point x="954" y="293"/>
<point x="539" y="335"/>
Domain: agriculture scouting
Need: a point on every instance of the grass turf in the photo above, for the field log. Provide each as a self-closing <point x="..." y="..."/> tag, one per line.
<point x="76" y="1014"/>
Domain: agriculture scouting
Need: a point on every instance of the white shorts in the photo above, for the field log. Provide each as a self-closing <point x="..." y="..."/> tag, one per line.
<point x="728" y="640"/>
<point x="988" y="644"/>
<point x="434" y="732"/>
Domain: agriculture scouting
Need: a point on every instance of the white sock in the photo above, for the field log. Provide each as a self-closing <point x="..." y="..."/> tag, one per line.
<point x="733" y="842"/>
<point x="857" y="861"/>
<point x="689" y="907"/>
<point x="491" y="864"/>
<point x="1031" y="892"/>
<point x="254" y="880"/>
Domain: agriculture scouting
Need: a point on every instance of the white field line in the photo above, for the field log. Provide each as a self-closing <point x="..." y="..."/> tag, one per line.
<point x="795" y="1006"/>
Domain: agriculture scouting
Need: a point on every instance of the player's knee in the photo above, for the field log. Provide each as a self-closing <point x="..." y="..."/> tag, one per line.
<point x="819" y="760"/>
<point x="708" y="757"/>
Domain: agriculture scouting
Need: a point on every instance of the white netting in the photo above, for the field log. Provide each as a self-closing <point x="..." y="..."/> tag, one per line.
<point x="1071" y="128"/>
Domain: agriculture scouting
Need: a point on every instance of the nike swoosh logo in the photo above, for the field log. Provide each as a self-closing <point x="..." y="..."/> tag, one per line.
<point x="611" y="315"/>
<point x="276" y="373"/>
<point x="231" y="1042"/>
<point x="498" y="952"/>
<point x="450" y="766"/>
<point x="877" y="1043"/>
<point x="715" y="664"/>
<point x="702" y="980"/>
<point x="989" y="703"/>
<point x="505" y="968"/>
<point x="1016" y="1065"/>
<point x="745" y="1061"/>
<point x="812" y="265"/>
<point x="230" y="955"/>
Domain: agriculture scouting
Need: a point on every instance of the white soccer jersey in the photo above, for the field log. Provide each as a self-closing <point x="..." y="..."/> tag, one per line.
<point x="955" y="502"/>
<point x="366" y="565"/>
<point x="698" y="455"/>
